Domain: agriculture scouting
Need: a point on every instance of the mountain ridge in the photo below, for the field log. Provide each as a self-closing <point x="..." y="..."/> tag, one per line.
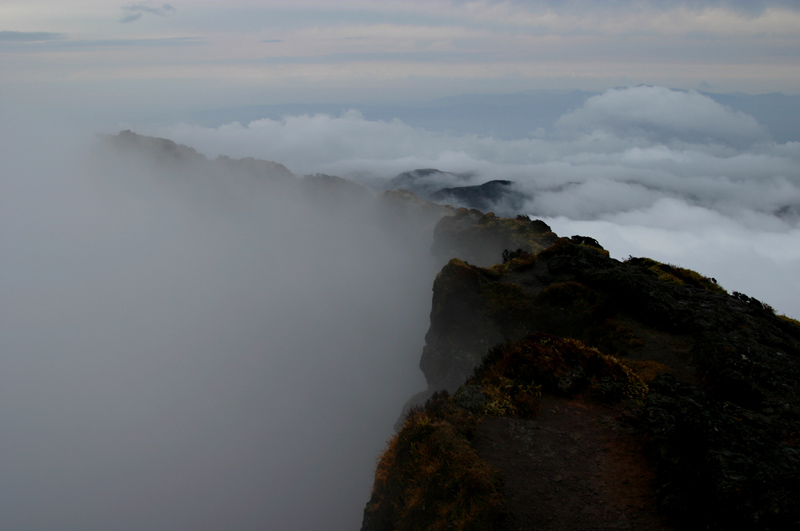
<point x="702" y="407"/>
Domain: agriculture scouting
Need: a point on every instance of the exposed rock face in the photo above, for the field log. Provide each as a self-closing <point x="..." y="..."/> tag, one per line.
<point x="717" y="421"/>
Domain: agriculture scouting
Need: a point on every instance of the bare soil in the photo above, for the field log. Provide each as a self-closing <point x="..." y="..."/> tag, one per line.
<point x="575" y="467"/>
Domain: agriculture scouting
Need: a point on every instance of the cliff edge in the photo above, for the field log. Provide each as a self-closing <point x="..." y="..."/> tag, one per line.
<point x="575" y="391"/>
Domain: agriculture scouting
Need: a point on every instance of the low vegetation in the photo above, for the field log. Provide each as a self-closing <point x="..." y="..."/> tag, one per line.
<point x="430" y="477"/>
<point x="677" y="275"/>
<point x="706" y="380"/>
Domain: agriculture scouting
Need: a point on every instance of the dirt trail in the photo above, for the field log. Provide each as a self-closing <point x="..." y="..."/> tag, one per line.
<point x="574" y="467"/>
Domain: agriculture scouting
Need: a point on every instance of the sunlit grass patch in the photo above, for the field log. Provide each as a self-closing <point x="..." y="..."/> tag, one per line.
<point x="677" y="275"/>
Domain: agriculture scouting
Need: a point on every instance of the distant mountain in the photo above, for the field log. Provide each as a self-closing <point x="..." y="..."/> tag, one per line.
<point x="498" y="195"/>
<point x="425" y="182"/>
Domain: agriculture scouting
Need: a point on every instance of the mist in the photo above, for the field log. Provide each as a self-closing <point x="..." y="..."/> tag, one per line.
<point x="187" y="346"/>
<point x="647" y="170"/>
<point x="189" y="349"/>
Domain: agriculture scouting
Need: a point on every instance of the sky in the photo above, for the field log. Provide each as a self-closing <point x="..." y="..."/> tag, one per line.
<point x="178" y="351"/>
<point x="178" y="54"/>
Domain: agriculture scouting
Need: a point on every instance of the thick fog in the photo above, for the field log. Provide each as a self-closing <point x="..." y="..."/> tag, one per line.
<point x="646" y="170"/>
<point x="182" y="349"/>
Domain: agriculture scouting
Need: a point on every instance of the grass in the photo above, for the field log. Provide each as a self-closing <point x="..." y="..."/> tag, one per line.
<point x="557" y="365"/>
<point x="430" y="477"/>
<point x="677" y="275"/>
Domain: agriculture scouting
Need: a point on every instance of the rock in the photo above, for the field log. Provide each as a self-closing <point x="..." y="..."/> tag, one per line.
<point x="716" y="403"/>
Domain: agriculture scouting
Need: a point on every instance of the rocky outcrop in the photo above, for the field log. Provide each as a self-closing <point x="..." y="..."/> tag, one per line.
<point x="704" y="403"/>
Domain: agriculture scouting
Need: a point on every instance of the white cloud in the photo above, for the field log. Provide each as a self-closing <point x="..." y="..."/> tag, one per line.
<point x="137" y="11"/>
<point x="662" y="115"/>
<point x="674" y="165"/>
<point x="188" y="350"/>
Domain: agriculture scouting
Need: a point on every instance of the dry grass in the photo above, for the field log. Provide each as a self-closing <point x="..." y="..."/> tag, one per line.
<point x="430" y="477"/>
<point x="556" y="365"/>
<point x="678" y="275"/>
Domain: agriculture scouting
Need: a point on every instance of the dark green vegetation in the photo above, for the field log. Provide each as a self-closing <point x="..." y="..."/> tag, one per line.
<point x="706" y="381"/>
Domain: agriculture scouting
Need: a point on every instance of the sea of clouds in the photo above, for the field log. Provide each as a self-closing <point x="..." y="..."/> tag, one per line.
<point x="648" y="171"/>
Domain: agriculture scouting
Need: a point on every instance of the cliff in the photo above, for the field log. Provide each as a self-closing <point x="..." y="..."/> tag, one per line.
<point x="575" y="391"/>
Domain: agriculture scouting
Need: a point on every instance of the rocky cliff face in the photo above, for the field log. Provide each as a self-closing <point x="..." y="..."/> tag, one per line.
<point x="678" y="401"/>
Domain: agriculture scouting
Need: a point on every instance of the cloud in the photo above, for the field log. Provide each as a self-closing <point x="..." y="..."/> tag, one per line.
<point x="133" y="43"/>
<point x="29" y="36"/>
<point x="187" y="349"/>
<point x="660" y="161"/>
<point x="137" y="11"/>
<point x="664" y="116"/>
<point x="130" y="18"/>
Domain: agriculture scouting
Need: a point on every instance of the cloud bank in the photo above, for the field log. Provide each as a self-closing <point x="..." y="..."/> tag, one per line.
<point x="29" y="36"/>
<point x="188" y="350"/>
<point x="647" y="166"/>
